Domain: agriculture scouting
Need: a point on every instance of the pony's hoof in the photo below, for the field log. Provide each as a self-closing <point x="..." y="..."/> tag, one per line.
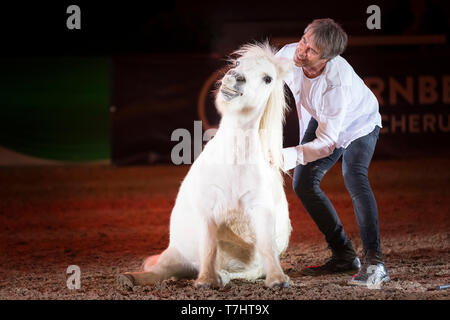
<point x="208" y="284"/>
<point x="204" y="285"/>
<point x="279" y="284"/>
<point x="126" y="280"/>
<point x="282" y="282"/>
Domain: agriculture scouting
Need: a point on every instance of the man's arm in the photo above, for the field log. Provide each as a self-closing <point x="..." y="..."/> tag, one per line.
<point x="329" y="126"/>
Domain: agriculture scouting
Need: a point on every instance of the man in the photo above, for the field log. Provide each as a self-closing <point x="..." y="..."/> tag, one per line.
<point x="338" y="117"/>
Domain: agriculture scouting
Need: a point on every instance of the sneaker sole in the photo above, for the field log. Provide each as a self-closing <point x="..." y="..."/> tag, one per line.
<point x="364" y="284"/>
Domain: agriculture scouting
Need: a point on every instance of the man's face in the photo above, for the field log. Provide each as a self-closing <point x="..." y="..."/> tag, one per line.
<point x="307" y="54"/>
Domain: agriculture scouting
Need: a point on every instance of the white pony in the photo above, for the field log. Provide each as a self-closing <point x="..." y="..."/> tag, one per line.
<point x="230" y="218"/>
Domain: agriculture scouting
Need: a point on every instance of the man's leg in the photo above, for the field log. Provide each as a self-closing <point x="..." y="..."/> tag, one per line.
<point x="306" y="184"/>
<point x="355" y="167"/>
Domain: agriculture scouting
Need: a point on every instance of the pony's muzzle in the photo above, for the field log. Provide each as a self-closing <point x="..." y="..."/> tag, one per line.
<point x="232" y="85"/>
<point x="229" y="93"/>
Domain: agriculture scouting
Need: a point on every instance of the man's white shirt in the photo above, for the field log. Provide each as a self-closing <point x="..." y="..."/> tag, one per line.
<point x="338" y="99"/>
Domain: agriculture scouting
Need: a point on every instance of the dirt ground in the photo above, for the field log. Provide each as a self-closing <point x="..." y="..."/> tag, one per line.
<point x="106" y="220"/>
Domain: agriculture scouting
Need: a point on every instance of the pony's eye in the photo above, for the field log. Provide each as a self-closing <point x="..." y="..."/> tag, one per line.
<point x="237" y="63"/>
<point x="267" y="79"/>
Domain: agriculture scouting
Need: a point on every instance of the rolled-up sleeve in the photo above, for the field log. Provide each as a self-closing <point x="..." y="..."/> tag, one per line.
<point x="292" y="157"/>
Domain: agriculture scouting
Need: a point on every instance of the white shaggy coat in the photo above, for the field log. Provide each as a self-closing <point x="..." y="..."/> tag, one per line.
<point x="230" y="218"/>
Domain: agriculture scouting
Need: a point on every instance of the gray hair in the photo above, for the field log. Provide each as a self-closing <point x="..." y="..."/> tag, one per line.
<point x="329" y="37"/>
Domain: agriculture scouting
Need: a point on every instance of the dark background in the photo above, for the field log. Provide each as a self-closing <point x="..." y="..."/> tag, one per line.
<point x="117" y="88"/>
<point x="39" y="27"/>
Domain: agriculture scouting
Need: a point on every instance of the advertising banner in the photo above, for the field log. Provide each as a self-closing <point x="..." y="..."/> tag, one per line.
<point x="163" y="105"/>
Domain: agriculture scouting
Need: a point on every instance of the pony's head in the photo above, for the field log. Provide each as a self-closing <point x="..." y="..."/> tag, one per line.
<point x="252" y="77"/>
<point x="253" y="88"/>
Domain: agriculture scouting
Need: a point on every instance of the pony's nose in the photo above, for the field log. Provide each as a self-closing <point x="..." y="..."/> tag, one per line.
<point x="237" y="76"/>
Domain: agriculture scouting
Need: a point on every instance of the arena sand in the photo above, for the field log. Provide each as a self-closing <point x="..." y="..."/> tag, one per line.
<point x="106" y="220"/>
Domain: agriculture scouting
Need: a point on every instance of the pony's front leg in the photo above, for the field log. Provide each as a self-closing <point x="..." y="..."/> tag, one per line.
<point x="208" y="277"/>
<point x="263" y="223"/>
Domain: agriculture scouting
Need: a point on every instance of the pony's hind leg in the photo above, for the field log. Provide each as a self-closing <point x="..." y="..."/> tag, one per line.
<point x="169" y="264"/>
<point x="150" y="262"/>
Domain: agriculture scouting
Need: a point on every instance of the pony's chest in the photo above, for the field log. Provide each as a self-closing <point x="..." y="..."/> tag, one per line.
<point x="242" y="181"/>
<point x="236" y="227"/>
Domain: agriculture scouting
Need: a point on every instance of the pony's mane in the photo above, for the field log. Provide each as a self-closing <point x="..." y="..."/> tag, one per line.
<point x="257" y="50"/>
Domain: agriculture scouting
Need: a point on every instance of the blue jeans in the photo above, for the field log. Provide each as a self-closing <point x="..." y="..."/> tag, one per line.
<point x="355" y="166"/>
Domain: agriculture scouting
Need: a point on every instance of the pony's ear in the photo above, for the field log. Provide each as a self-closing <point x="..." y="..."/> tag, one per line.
<point x="284" y="66"/>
